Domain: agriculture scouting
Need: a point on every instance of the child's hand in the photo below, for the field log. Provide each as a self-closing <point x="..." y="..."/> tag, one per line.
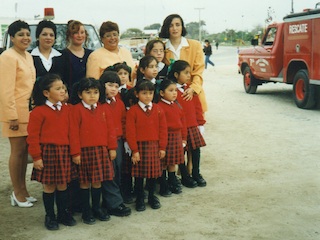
<point x="76" y="160"/>
<point x="135" y="157"/>
<point x="188" y="94"/>
<point x="112" y="154"/>
<point x="162" y="154"/>
<point x="38" y="164"/>
<point x="184" y="143"/>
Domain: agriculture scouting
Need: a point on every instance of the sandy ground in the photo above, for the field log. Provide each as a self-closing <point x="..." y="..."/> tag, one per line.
<point x="261" y="164"/>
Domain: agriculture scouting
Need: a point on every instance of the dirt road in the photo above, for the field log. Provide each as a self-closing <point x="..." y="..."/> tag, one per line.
<point x="261" y="163"/>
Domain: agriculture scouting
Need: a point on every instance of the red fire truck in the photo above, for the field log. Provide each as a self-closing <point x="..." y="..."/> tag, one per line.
<point x="289" y="52"/>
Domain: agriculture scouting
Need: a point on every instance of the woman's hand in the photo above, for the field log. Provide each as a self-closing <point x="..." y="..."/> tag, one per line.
<point x="188" y="94"/>
<point x="38" y="164"/>
<point x="14" y="125"/>
<point x="135" y="158"/>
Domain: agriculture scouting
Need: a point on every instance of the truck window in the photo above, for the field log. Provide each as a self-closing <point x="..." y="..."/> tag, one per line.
<point x="270" y="36"/>
<point x="61" y="43"/>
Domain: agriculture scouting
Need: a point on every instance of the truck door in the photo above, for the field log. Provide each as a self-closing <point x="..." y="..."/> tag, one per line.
<point x="262" y="62"/>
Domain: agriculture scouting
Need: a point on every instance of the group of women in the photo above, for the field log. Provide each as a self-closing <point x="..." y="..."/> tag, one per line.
<point x="19" y="70"/>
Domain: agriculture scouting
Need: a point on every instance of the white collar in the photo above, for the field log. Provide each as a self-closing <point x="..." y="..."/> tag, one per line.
<point x="109" y="99"/>
<point x="143" y="106"/>
<point x="166" y="101"/>
<point x="53" y="53"/>
<point x="183" y="43"/>
<point x="89" y="106"/>
<point x="50" y="104"/>
<point x="181" y="86"/>
<point x="160" y="66"/>
<point x="122" y="86"/>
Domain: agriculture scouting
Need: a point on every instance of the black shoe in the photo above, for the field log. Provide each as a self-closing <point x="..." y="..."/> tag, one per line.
<point x="66" y="218"/>
<point x="128" y="198"/>
<point x="189" y="182"/>
<point x="87" y="218"/>
<point x="165" y="192"/>
<point x="200" y="181"/>
<point x="101" y="215"/>
<point x="120" y="211"/>
<point x="154" y="202"/>
<point x="175" y="188"/>
<point x="51" y="223"/>
<point x="178" y="180"/>
<point x="140" y="205"/>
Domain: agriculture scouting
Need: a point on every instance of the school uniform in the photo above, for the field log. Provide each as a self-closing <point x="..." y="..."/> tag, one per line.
<point x="48" y="140"/>
<point x="92" y="135"/>
<point x="194" y="118"/>
<point x="177" y="131"/>
<point x="147" y="134"/>
<point x="162" y="71"/>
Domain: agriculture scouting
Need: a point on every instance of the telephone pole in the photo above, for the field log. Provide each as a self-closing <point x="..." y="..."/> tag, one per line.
<point x="199" y="9"/>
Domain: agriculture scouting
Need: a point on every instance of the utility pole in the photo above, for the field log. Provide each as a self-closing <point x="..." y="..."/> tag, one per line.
<point x="292" y="7"/>
<point x="199" y="9"/>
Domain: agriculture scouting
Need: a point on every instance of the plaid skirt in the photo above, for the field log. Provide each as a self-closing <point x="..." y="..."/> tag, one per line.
<point x="174" y="151"/>
<point x="95" y="165"/>
<point x="149" y="165"/>
<point x="57" y="165"/>
<point x="194" y="139"/>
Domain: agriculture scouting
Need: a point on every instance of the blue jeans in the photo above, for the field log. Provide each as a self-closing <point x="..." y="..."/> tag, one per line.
<point x="207" y="60"/>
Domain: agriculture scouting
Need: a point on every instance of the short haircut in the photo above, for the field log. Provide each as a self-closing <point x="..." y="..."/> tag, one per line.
<point x="108" y="27"/>
<point x="46" y="24"/>
<point x="16" y="26"/>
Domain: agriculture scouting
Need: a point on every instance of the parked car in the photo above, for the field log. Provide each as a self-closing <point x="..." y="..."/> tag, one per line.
<point x="136" y="52"/>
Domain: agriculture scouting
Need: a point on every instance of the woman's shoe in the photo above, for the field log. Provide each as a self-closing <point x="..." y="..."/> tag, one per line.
<point x="31" y="199"/>
<point x="15" y="202"/>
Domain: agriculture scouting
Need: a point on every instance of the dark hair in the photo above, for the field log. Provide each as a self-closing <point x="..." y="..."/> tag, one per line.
<point x="144" y="85"/>
<point x="16" y="26"/>
<point x="73" y="27"/>
<point x="118" y="66"/>
<point x="144" y="63"/>
<point x="177" y="67"/>
<point x="83" y="85"/>
<point x="46" y="24"/>
<point x="108" y="27"/>
<point x="129" y="97"/>
<point x="207" y="41"/>
<point x="108" y="77"/>
<point x="150" y="46"/>
<point x="43" y="83"/>
<point x="165" y="83"/>
<point x="164" y="32"/>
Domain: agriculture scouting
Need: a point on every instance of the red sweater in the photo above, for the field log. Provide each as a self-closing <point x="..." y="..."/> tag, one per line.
<point x="141" y="127"/>
<point x="175" y="118"/>
<point x="193" y="110"/>
<point x="118" y="111"/>
<point x="91" y="128"/>
<point x="47" y="126"/>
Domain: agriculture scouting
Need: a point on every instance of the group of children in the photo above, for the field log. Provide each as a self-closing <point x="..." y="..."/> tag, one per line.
<point x="109" y="131"/>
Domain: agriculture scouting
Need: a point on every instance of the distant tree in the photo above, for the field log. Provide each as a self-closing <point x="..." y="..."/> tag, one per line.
<point x="153" y="26"/>
<point x="193" y="29"/>
<point x="132" y="32"/>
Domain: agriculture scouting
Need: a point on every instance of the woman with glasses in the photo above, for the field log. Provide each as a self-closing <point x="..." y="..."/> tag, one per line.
<point x="110" y="53"/>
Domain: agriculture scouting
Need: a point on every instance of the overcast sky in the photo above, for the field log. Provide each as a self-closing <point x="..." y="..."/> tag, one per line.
<point x="217" y="14"/>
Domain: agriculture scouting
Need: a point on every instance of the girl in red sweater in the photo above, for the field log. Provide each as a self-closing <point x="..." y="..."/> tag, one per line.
<point x="177" y="137"/>
<point x="93" y="145"/>
<point x="146" y="131"/>
<point x="181" y="74"/>
<point x="48" y="141"/>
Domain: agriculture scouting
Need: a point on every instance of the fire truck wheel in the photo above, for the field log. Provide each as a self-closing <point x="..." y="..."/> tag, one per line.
<point x="249" y="82"/>
<point x="303" y="91"/>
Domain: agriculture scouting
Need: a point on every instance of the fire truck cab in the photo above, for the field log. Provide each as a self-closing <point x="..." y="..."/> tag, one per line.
<point x="289" y="52"/>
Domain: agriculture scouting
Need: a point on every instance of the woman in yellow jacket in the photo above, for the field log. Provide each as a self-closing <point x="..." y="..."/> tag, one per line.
<point x="180" y="48"/>
<point x="17" y="76"/>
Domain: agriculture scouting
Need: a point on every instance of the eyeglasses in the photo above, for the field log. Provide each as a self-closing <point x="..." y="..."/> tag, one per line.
<point x="110" y="35"/>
